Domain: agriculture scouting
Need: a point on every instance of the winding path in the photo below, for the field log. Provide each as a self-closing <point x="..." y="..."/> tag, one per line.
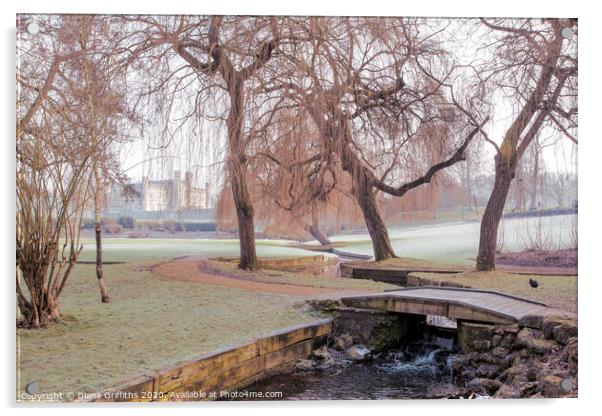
<point x="191" y="269"/>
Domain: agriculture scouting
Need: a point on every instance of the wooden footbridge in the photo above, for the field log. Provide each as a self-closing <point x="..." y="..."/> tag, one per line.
<point x="460" y="304"/>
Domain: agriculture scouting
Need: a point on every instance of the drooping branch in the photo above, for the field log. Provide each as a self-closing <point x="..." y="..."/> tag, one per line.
<point x="562" y="128"/>
<point x="289" y="167"/>
<point x="457" y="156"/>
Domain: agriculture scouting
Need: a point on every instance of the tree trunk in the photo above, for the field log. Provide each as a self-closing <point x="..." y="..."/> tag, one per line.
<point x="52" y="307"/>
<point x="104" y="293"/>
<point x="314" y="228"/>
<point x="317" y="234"/>
<point x="468" y="169"/>
<point x="504" y="173"/>
<point x="366" y="199"/>
<point x="363" y="192"/>
<point x="43" y="305"/>
<point x="246" y="224"/>
<point x="237" y="167"/>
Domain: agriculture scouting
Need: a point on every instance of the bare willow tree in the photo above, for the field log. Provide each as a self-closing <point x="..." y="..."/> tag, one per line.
<point x="364" y="84"/>
<point x="69" y="113"/>
<point x="224" y="53"/>
<point x="534" y="62"/>
<point x="52" y="161"/>
<point x="290" y="185"/>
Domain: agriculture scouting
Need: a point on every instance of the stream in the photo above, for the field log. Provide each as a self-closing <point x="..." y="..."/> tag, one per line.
<point x="419" y="370"/>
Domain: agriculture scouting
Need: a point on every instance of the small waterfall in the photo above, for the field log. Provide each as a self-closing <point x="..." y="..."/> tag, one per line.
<point x="420" y="369"/>
<point x="422" y="362"/>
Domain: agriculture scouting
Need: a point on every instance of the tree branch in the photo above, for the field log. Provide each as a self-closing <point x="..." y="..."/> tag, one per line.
<point x="458" y="156"/>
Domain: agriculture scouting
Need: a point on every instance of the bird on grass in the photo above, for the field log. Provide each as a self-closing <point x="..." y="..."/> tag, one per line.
<point x="533" y="283"/>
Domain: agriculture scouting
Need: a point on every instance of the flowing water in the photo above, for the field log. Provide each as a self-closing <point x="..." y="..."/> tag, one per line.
<point x="418" y="371"/>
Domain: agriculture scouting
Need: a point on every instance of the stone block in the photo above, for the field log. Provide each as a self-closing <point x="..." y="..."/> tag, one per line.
<point x="534" y="341"/>
<point x="534" y="321"/>
<point x="562" y="333"/>
<point x="549" y="386"/>
<point x="507" y="392"/>
<point x="474" y="336"/>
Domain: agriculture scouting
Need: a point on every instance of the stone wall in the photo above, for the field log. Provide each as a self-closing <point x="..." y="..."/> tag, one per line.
<point x="394" y="275"/>
<point x="310" y="264"/>
<point x="536" y="357"/>
<point x="415" y="281"/>
<point x="398" y="277"/>
<point x="377" y="330"/>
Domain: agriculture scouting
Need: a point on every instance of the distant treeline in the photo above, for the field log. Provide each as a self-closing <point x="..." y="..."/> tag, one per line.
<point x="195" y="226"/>
<point x="112" y="226"/>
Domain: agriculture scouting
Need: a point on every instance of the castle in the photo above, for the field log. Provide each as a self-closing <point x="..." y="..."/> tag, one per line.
<point x="174" y="194"/>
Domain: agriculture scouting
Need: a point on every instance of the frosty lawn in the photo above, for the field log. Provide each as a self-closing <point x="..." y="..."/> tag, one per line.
<point x="151" y="322"/>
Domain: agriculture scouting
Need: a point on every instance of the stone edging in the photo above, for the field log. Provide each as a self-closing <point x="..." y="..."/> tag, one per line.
<point x="283" y="263"/>
<point x="222" y="370"/>
<point x="395" y="276"/>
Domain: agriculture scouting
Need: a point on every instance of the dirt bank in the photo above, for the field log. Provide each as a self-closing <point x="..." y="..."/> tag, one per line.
<point x="545" y="259"/>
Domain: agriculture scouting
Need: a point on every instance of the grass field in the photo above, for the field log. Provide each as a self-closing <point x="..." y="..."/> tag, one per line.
<point x="154" y="322"/>
<point x="151" y="322"/>
<point x="457" y="242"/>
<point x="133" y="249"/>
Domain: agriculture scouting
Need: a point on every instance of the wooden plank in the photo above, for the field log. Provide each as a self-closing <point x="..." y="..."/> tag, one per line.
<point x="286" y="337"/>
<point x="205" y="366"/>
<point x="288" y="354"/>
<point x="419" y="307"/>
<point x="224" y="368"/>
<point x="394" y="304"/>
<point x="474" y="305"/>
<point x="220" y="381"/>
<point x="452" y="290"/>
<point x="142" y="388"/>
<point x="466" y="313"/>
<point x="248" y="370"/>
